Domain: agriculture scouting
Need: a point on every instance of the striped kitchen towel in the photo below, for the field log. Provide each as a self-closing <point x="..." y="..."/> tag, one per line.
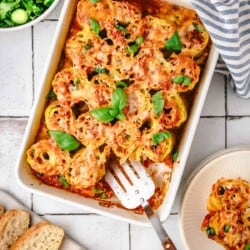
<point x="228" y="23"/>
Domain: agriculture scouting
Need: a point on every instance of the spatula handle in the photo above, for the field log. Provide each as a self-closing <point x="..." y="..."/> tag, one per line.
<point x="166" y="242"/>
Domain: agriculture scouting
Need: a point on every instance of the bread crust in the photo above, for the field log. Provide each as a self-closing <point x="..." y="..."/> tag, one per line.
<point x="13" y="223"/>
<point x="42" y="236"/>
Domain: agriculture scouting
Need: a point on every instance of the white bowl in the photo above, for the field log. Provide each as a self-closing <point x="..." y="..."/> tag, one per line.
<point x="229" y="163"/>
<point x="34" y="21"/>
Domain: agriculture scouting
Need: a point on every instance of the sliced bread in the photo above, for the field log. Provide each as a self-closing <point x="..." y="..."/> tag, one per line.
<point x="13" y="223"/>
<point x="42" y="236"/>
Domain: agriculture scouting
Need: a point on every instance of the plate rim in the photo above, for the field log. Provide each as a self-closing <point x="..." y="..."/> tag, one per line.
<point x="191" y="178"/>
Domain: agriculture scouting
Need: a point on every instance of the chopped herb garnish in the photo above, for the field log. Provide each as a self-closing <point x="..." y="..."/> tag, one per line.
<point x="181" y="79"/>
<point x="161" y="136"/>
<point x="104" y="196"/>
<point x="175" y="156"/>
<point x="199" y="27"/>
<point x="158" y="102"/>
<point x="210" y="231"/>
<point x="120" y="27"/>
<point x="226" y="228"/>
<point x="134" y="47"/>
<point x="63" y="181"/>
<point x="247" y="246"/>
<point x="101" y="70"/>
<point x="96" y="190"/>
<point x="51" y="95"/>
<point x="76" y="82"/>
<point x="87" y="47"/>
<point x="173" y="44"/>
<point x="95" y="26"/>
<point x="64" y="140"/>
<point x="94" y="1"/>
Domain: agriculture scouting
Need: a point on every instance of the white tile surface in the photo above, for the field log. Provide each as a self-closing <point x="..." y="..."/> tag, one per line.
<point x="225" y="122"/>
<point x="236" y="105"/>
<point x="238" y="131"/>
<point x="11" y="131"/>
<point x="215" y="101"/>
<point x="16" y="73"/>
<point x="42" y="45"/>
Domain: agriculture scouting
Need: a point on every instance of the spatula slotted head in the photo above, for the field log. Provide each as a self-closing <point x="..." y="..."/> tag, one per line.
<point x="130" y="182"/>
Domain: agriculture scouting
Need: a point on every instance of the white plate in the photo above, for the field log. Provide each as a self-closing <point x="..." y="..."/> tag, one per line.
<point x="8" y="202"/>
<point x="229" y="163"/>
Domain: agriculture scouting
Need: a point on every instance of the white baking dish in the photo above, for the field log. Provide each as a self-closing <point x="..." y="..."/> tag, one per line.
<point x="24" y="174"/>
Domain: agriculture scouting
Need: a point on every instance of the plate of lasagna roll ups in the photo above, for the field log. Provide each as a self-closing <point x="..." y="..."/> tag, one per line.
<point x="215" y="208"/>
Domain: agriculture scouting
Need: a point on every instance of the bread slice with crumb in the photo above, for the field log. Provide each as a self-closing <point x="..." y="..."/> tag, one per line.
<point x="13" y="223"/>
<point x="42" y="236"/>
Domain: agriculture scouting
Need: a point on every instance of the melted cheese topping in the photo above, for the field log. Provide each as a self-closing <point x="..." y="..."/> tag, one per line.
<point x="122" y="44"/>
<point x="228" y="218"/>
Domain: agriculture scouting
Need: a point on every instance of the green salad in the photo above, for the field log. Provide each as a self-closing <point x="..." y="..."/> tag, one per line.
<point x="18" y="12"/>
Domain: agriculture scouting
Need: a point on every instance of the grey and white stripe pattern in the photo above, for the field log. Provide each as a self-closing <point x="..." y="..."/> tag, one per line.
<point x="228" y="23"/>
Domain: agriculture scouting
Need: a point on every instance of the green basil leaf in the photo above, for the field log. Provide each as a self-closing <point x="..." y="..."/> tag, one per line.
<point x="247" y="246"/>
<point x="64" y="140"/>
<point x="226" y="228"/>
<point x="133" y="48"/>
<point x="174" y="43"/>
<point x="87" y="46"/>
<point x="114" y="112"/>
<point x="102" y="114"/>
<point x="198" y="27"/>
<point x="51" y="95"/>
<point x="161" y="136"/>
<point x="175" y="156"/>
<point x="121" y="84"/>
<point x="210" y="231"/>
<point x="178" y="79"/>
<point x="95" y="26"/>
<point x="63" y="181"/>
<point x="139" y="40"/>
<point x="94" y="1"/>
<point x="101" y="70"/>
<point x="158" y="102"/>
<point x="120" y="27"/>
<point x="186" y="80"/>
<point x="104" y="196"/>
<point x="96" y="190"/>
<point x="118" y="99"/>
<point x="76" y="82"/>
<point x="121" y="117"/>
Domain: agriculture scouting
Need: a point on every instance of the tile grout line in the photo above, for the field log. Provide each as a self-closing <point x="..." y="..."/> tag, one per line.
<point x="129" y="236"/>
<point x="226" y="108"/>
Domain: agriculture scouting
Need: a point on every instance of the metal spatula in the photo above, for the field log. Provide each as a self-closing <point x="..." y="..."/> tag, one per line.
<point x="133" y="187"/>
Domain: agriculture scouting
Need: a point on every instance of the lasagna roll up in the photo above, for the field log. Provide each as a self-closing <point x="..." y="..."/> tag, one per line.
<point x="194" y="38"/>
<point x="45" y="157"/>
<point x="174" y="113"/>
<point x="156" y="151"/>
<point x="69" y="86"/>
<point x="87" y="167"/>
<point x="60" y="118"/>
